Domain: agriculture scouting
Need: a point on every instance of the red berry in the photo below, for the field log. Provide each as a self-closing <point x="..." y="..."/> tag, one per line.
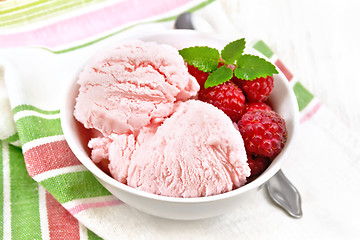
<point x="249" y="106"/>
<point x="199" y="75"/>
<point x="257" y="164"/>
<point x="227" y="96"/>
<point x="264" y="132"/>
<point x="258" y="89"/>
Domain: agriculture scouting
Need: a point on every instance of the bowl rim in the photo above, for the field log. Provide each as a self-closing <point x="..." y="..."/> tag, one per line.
<point x="66" y="117"/>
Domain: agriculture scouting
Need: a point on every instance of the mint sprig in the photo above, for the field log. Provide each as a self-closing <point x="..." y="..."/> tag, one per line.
<point x="233" y="51"/>
<point x="219" y="76"/>
<point x="249" y="67"/>
<point x="234" y="62"/>
<point x="205" y="59"/>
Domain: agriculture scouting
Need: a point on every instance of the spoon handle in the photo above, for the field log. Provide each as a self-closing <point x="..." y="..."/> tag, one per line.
<point x="284" y="193"/>
<point x="184" y="21"/>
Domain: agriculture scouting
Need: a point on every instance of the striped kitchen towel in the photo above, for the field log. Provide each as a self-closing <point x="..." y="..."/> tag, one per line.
<point x="46" y="192"/>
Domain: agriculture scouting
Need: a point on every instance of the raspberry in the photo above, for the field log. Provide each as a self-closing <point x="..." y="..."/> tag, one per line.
<point x="199" y="75"/>
<point x="258" y="164"/>
<point x="264" y="132"/>
<point x="256" y="106"/>
<point x="258" y="89"/>
<point x="227" y="96"/>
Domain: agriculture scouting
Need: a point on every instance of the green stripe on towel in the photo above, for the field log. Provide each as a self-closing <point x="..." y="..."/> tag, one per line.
<point x="31" y="7"/>
<point x="1" y="193"/>
<point x="20" y="6"/>
<point x="9" y="5"/>
<point x="25" y="215"/>
<point x="12" y="138"/>
<point x="263" y="48"/>
<point x="39" y="10"/>
<point x="93" y="236"/>
<point x="303" y="96"/>
<point x="25" y="107"/>
<point x="75" y="185"/>
<point x="34" y="127"/>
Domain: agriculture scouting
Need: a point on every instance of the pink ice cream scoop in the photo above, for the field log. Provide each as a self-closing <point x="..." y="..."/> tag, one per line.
<point x="118" y="149"/>
<point x="196" y="152"/>
<point x="127" y="87"/>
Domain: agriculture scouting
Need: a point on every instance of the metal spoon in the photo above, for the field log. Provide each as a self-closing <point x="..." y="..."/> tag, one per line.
<point x="279" y="188"/>
<point x="284" y="193"/>
<point x="184" y="21"/>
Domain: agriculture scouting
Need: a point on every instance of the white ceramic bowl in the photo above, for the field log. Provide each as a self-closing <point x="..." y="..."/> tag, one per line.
<point x="282" y="99"/>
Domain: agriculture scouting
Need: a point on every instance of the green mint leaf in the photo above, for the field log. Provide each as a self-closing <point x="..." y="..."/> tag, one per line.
<point x="219" y="76"/>
<point x="233" y="51"/>
<point x="205" y="59"/>
<point x="250" y="67"/>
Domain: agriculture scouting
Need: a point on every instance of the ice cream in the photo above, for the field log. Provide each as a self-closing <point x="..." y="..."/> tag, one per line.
<point x="154" y="136"/>
<point x="126" y="87"/>
<point x="196" y="152"/>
